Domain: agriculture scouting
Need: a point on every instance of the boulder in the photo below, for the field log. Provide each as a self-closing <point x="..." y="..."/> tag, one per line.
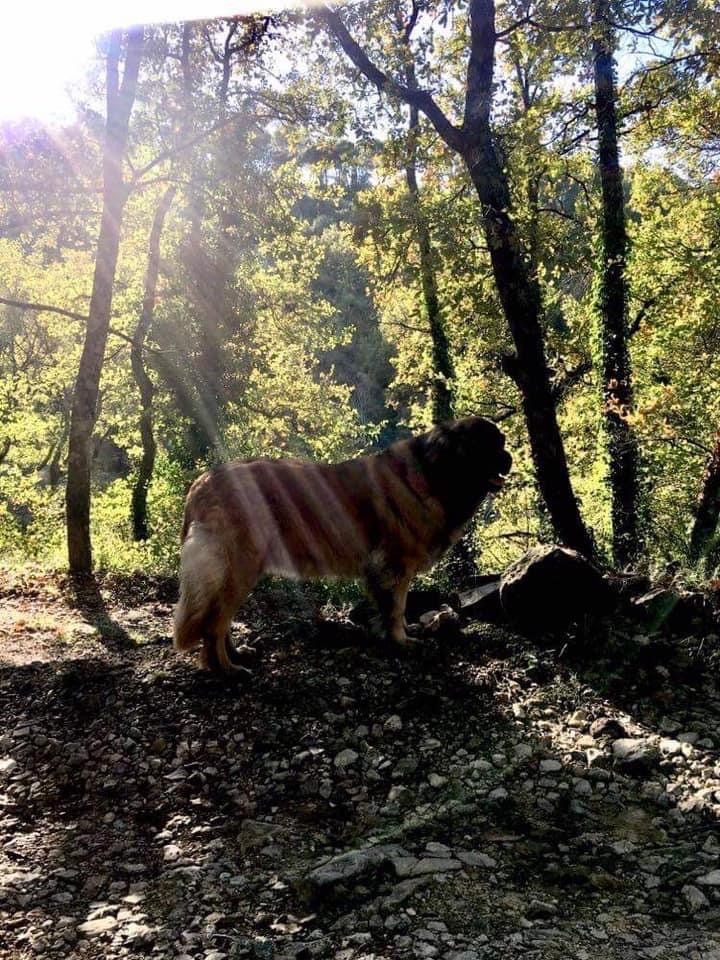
<point x="551" y="587"/>
<point x="676" y="610"/>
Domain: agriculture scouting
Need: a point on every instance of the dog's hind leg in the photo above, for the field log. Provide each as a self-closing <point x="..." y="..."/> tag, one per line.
<point x="218" y="653"/>
<point x="214" y="580"/>
<point x="225" y="658"/>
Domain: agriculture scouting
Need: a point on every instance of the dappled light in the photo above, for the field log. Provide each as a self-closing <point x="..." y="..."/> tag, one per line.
<point x="360" y="480"/>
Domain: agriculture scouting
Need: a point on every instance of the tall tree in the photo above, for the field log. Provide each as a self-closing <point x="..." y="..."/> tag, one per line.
<point x="613" y="298"/>
<point x="474" y="141"/>
<point x="144" y="383"/>
<point x="120" y="96"/>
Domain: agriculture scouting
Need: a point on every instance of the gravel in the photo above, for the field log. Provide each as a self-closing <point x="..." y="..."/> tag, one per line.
<point x="478" y="799"/>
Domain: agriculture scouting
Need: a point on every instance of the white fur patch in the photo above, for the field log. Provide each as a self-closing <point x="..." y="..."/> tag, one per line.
<point x="203" y="568"/>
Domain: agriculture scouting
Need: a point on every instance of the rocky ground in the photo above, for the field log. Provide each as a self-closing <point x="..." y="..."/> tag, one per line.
<point x="486" y="797"/>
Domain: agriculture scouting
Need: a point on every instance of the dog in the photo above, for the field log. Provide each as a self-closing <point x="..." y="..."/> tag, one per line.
<point x="383" y="518"/>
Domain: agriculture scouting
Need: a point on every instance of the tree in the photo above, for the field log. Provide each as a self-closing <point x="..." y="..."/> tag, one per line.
<point x="142" y="378"/>
<point x="473" y="140"/>
<point x="613" y="299"/>
<point x="120" y="96"/>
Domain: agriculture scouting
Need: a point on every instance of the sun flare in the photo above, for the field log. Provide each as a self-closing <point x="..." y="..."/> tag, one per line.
<point x="39" y="66"/>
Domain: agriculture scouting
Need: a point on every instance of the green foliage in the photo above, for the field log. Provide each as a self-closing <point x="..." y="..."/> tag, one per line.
<point x="111" y="527"/>
<point x="289" y="317"/>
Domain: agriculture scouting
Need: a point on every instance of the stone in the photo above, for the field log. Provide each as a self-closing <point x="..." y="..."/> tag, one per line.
<point x="412" y="867"/>
<point x="472" y="859"/>
<point x="438" y="849"/>
<point x="635" y="755"/>
<point x="711" y="879"/>
<point x="550" y="766"/>
<point x="93" y="928"/>
<point x="346" y="758"/>
<point x="8" y="766"/>
<point x="608" y="727"/>
<point x="255" y="834"/>
<point x="578" y="719"/>
<point x="350" y="867"/>
<point x="482" y="602"/>
<point x="499" y="793"/>
<point x="550" y="587"/>
<point x="694" y="898"/>
<point x="437" y="621"/>
<point x="403" y="891"/>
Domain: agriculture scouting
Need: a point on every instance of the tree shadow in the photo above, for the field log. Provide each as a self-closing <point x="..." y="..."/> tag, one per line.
<point x="147" y="770"/>
<point x="87" y="598"/>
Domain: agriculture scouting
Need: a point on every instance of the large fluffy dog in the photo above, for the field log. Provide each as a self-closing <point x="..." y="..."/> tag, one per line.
<point x="382" y="517"/>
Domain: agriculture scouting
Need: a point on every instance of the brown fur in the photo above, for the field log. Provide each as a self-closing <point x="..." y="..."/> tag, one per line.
<point x="383" y="518"/>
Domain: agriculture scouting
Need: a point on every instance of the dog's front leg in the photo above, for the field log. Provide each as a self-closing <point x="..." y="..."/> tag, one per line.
<point x="389" y="591"/>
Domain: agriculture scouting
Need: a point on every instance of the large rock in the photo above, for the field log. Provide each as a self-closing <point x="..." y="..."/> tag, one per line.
<point x="551" y="587"/>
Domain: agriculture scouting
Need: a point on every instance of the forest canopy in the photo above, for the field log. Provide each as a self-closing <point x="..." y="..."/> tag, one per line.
<point x="309" y="233"/>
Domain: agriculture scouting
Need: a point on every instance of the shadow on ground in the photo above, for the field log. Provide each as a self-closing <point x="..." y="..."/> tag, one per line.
<point x="148" y="808"/>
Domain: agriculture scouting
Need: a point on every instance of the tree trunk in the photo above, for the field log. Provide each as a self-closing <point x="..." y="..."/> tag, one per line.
<point x="616" y="368"/>
<point x="707" y="511"/>
<point x="120" y="97"/>
<point x="518" y="290"/>
<point x="521" y="301"/>
<point x="517" y="287"/>
<point x="144" y="383"/>
<point x="443" y="371"/>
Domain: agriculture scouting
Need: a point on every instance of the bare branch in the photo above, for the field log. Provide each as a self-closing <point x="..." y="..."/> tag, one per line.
<point x="171" y="152"/>
<point x="558" y="213"/>
<point x="61" y="311"/>
<point x="44" y="308"/>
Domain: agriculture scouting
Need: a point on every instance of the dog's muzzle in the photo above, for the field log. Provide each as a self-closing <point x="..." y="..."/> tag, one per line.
<point x="504" y="466"/>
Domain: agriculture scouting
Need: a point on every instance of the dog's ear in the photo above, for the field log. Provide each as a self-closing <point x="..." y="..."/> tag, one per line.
<point x="433" y="448"/>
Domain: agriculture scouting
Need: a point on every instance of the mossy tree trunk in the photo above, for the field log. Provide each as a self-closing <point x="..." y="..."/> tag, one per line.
<point x="707" y="511"/>
<point x="617" y="386"/>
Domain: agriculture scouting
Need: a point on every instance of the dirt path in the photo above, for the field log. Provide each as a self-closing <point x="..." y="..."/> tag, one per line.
<point x="485" y="799"/>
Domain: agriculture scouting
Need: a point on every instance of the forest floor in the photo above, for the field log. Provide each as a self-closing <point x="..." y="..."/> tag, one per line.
<point x="485" y="797"/>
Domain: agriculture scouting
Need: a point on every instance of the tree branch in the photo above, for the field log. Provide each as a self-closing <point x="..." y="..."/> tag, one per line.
<point x="44" y="308"/>
<point x="421" y="99"/>
<point x="171" y="152"/>
<point x="61" y="311"/>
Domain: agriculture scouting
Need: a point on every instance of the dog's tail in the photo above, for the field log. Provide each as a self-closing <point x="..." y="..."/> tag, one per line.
<point x="203" y="570"/>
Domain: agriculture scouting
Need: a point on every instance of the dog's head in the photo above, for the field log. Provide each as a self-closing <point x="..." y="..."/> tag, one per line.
<point x="464" y="457"/>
